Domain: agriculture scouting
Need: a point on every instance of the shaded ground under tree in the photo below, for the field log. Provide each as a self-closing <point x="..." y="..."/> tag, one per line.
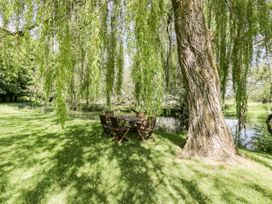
<point x="41" y="163"/>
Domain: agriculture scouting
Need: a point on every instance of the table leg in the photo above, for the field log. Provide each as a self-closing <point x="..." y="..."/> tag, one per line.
<point x="141" y="135"/>
<point x="124" y="122"/>
<point x="124" y="136"/>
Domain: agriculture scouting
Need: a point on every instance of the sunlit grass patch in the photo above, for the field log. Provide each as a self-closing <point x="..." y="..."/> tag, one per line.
<point x="256" y="111"/>
<point x="42" y="163"/>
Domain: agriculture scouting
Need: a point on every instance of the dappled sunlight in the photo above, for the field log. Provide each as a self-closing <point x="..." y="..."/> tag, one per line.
<point x="59" y="195"/>
<point x="41" y="163"/>
<point x="135" y="101"/>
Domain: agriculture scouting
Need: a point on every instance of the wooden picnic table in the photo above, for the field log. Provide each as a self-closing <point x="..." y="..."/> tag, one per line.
<point x="130" y="122"/>
<point x="129" y="118"/>
<point x="135" y="124"/>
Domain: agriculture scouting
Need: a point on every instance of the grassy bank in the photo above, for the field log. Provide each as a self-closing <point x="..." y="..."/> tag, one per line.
<point x="40" y="163"/>
<point x="256" y="111"/>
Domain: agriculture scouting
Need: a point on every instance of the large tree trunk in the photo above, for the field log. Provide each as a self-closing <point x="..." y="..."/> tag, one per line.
<point x="208" y="134"/>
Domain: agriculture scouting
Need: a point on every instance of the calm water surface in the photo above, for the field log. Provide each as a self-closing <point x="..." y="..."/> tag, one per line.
<point x="245" y="139"/>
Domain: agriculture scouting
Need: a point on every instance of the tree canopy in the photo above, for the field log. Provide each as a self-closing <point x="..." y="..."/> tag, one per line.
<point x="81" y="47"/>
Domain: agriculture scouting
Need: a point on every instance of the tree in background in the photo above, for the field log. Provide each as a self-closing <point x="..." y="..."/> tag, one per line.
<point x="15" y="84"/>
<point x="78" y="49"/>
<point x="260" y="84"/>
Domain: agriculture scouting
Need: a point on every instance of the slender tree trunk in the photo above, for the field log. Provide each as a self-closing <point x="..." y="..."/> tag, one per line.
<point x="208" y="134"/>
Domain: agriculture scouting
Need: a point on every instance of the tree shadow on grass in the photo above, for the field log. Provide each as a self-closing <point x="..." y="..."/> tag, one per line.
<point x="268" y="156"/>
<point x="229" y="196"/>
<point x="141" y="169"/>
<point x="137" y="167"/>
<point x="81" y="148"/>
<point x="3" y="180"/>
<point x="194" y="191"/>
<point x="67" y="161"/>
<point x="78" y="160"/>
<point x="228" y="190"/>
<point x="176" y="139"/>
<point x="134" y="161"/>
<point x="226" y="194"/>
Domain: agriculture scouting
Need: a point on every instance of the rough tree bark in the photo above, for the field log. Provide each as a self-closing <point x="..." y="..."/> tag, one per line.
<point x="269" y="123"/>
<point x="208" y="134"/>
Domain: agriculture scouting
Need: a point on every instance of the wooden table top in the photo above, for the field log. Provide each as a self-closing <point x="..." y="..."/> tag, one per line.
<point x="129" y="118"/>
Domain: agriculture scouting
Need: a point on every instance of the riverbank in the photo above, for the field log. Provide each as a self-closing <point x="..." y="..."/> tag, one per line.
<point x="42" y="163"/>
<point x="256" y="111"/>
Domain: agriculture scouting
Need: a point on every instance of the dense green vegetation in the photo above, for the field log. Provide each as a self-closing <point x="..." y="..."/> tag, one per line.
<point x="260" y="84"/>
<point x="256" y="116"/>
<point x="16" y="84"/>
<point x="256" y="111"/>
<point x="41" y="163"/>
<point x="195" y="60"/>
<point x="79" y="48"/>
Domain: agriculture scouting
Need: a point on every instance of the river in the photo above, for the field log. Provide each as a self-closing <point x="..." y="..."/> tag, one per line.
<point x="245" y="139"/>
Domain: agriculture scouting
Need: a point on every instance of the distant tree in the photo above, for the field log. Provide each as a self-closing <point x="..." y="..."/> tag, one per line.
<point x="260" y="84"/>
<point x="78" y="48"/>
<point x="15" y="83"/>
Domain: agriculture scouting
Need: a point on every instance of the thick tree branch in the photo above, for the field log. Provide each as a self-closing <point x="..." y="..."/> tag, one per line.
<point x="19" y="32"/>
<point x="260" y="41"/>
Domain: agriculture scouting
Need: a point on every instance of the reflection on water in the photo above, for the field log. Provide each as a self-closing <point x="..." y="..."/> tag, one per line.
<point x="247" y="134"/>
<point x="168" y="124"/>
<point x="245" y="139"/>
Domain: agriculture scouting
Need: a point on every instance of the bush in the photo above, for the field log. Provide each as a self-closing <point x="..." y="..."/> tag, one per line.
<point x="93" y="107"/>
<point x="263" y="143"/>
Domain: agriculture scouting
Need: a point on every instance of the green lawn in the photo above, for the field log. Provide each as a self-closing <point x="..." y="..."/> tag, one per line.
<point x="256" y="111"/>
<point x="40" y="163"/>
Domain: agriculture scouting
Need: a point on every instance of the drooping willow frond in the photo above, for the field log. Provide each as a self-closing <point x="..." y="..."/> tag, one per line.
<point x="237" y="26"/>
<point x="80" y="46"/>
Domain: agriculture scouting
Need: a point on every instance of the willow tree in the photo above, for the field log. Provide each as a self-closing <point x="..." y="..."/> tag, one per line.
<point x="147" y="70"/>
<point x="241" y="29"/>
<point x="79" y="44"/>
<point x="208" y="133"/>
<point x="235" y="28"/>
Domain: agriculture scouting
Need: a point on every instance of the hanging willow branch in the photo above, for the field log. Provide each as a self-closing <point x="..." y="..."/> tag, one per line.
<point x="147" y="67"/>
<point x="237" y="26"/>
<point x="79" y="44"/>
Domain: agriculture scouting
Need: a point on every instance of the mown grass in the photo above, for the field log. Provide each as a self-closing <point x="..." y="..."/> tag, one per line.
<point x="41" y="163"/>
<point x="256" y="111"/>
